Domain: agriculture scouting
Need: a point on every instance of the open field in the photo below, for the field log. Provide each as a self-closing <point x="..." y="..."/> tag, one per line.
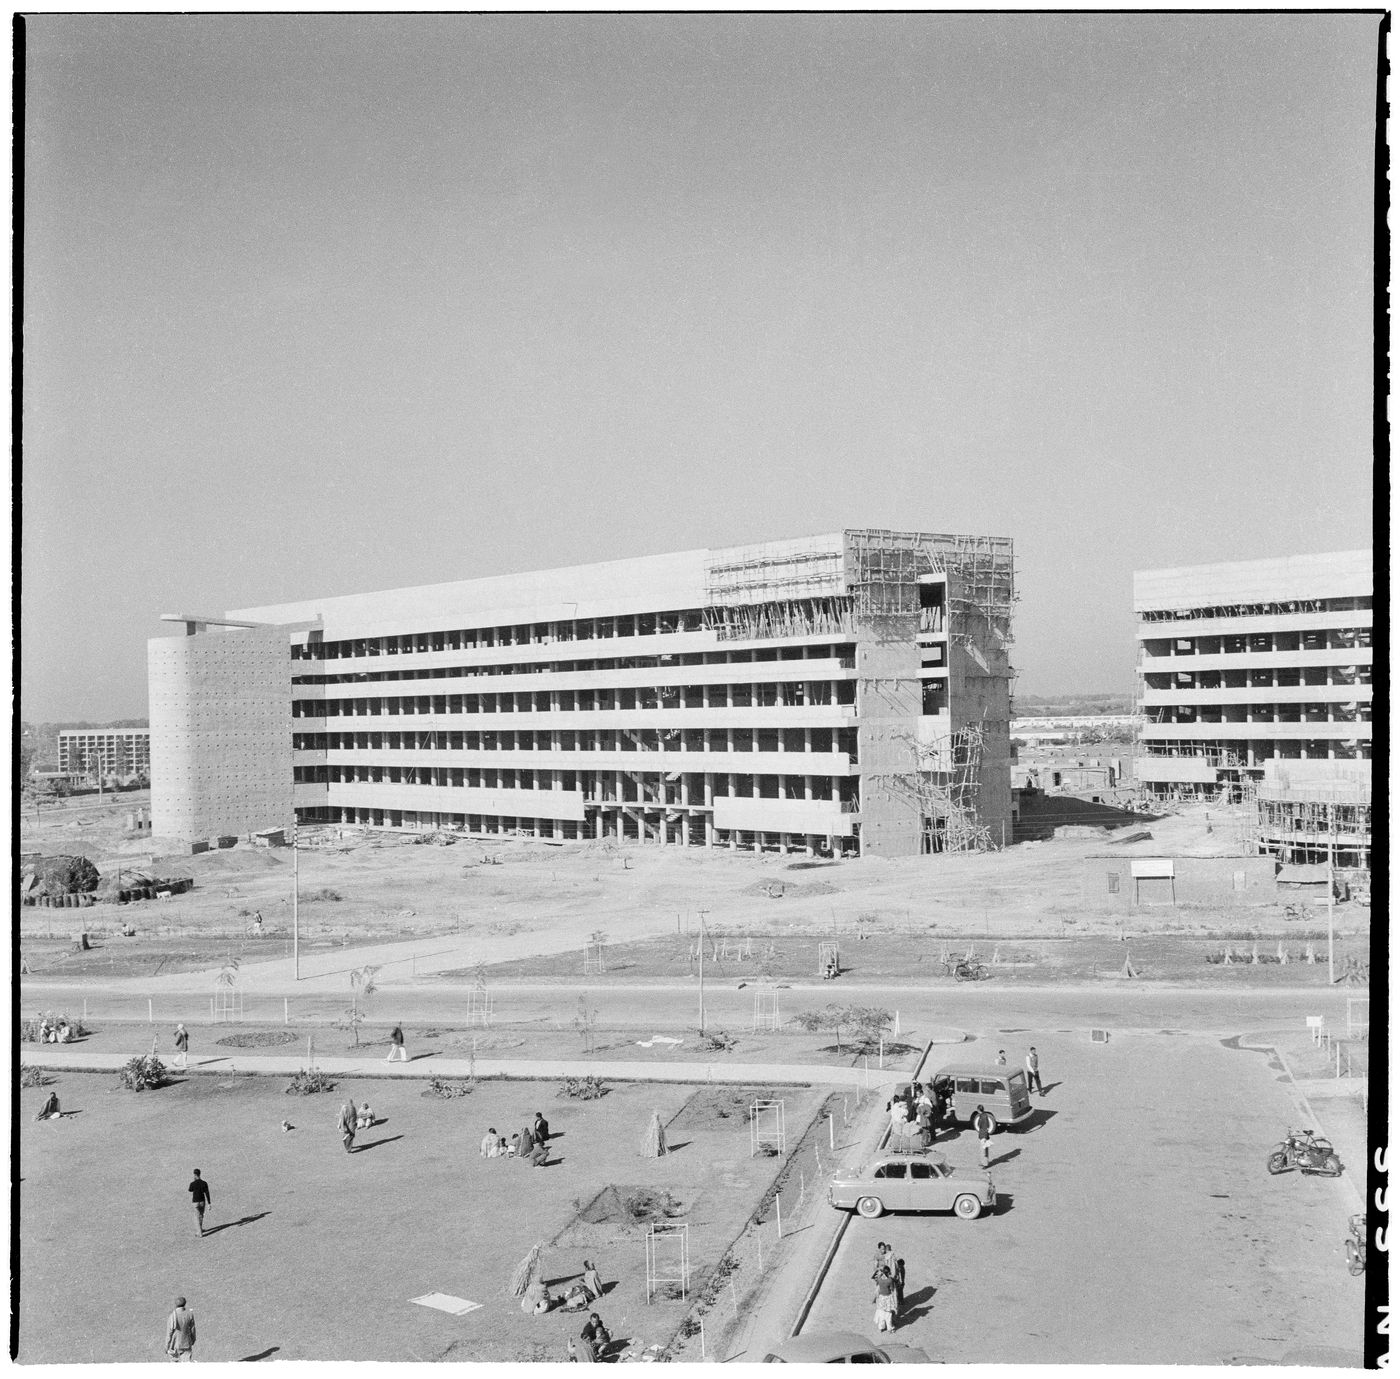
<point x="1146" y="1187"/>
<point x="316" y="1254"/>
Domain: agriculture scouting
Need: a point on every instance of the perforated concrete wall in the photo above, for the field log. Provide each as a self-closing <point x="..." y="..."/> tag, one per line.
<point x="221" y="732"/>
<point x="889" y="702"/>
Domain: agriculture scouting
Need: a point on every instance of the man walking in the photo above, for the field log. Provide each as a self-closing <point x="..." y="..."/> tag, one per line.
<point x="182" y="1047"/>
<point x="201" y="1197"/>
<point x="982" y="1122"/>
<point x="396" y="1048"/>
<point x="347" y="1125"/>
<point x="1033" y="1071"/>
<point x="179" y="1333"/>
<point x="1001" y="1058"/>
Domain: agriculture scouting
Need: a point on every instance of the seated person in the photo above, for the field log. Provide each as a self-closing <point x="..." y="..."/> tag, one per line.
<point x="513" y="1148"/>
<point x="44" y="1029"/>
<point x="591" y="1281"/>
<point x="502" y="1148"/>
<point x="577" y="1298"/>
<point x="490" y="1144"/>
<point x="537" y="1299"/>
<point x="50" y="1108"/>
<point x="539" y="1156"/>
<point x="65" y="1031"/>
<point x="829" y="970"/>
<point x="364" y="1117"/>
<point x="595" y="1334"/>
<point x="526" y="1142"/>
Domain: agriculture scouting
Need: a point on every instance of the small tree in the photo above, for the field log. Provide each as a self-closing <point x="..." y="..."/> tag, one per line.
<point x="586" y="1021"/>
<point x="362" y="987"/>
<point x="865" y="1022"/>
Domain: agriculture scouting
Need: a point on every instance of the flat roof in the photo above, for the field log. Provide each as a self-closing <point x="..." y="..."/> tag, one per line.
<point x="1331" y="574"/>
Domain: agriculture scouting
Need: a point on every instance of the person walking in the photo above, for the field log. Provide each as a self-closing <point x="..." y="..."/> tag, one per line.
<point x="182" y="1047"/>
<point x="982" y="1122"/>
<point x="179" y="1333"/>
<point x="396" y="1048"/>
<point x="1033" y="1072"/>
<point x="1001" y="1058"/>
<point x="898" y="1277"/>
<point x="201" y="1197"/>
<point x="346" y="1125"/>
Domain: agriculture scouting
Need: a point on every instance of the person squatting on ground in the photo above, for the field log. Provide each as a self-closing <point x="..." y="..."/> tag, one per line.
<point x="364" y="1117"/>
<point x="201" y="1197"/>
<point x="537" y="1299"/>
<point x="50" y="1108"/>
<point x="182" y="1047"/>
<point x="982" y="1122"/>
<point x="593" y="1339"/>
<point x="1033" y="1072"/>
<point x="346" y="1125"/>
<point x="396" y="1048"/>
<point x="884" y="1300"/>
<point x="179" y="1332"/>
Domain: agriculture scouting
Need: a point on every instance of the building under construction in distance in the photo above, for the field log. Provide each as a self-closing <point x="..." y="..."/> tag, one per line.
<point x="1255" y="683"/>
<point x="846" y="693"/>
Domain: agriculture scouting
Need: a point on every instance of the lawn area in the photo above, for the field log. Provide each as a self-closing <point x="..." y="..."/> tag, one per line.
<point x="316" y="1254"/>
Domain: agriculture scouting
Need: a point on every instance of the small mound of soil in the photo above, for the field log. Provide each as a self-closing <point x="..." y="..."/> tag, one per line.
<point x="265" y="1040"/>
<point x="621" y="1205"/>
<point x="721" y="1108"/>
<point x="791" y="890"/>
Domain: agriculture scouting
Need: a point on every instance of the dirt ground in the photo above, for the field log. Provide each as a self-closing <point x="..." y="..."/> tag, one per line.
<point x="1146" y="1186"/>
<point x="316" y="1254"/>
<point x="391" y="886"/>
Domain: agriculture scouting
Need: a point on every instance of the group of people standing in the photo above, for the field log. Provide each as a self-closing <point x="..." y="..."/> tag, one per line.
<point x="889" y="1287"/>
<point x="920" y="1110"/>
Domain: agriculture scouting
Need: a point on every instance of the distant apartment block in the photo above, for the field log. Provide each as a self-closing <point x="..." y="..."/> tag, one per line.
<point x="848" y="693"/>
<point x="122" y="752"/>
<point x="1255" y="680"/>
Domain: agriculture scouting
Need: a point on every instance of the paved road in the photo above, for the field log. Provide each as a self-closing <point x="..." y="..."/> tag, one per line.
<point x="1137" y="1224"/>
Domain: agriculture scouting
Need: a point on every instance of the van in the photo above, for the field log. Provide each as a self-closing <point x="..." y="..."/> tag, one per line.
<point x="1002" y="1091"/>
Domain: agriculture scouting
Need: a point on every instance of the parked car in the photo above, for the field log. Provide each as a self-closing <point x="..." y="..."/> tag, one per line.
<point x="913" y="1182"/>
<point x="842" y="1348"/>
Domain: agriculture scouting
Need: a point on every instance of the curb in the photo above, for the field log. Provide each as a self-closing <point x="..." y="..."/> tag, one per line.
<point x="1359" y="1194"/>
<point x="820" y="1277"/>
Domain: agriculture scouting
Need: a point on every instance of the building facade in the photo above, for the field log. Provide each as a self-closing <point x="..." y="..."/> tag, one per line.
<point x="846" y="693"/>
<point x="1255" y="681"/>
<point x="121" y="752"/>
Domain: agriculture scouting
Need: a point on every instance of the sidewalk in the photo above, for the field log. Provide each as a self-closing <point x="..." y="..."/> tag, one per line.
<point x="430" y="1065"/>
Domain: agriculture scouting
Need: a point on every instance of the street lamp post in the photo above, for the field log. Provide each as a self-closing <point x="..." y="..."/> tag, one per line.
<point x="296" y="932"/>
<point x="1331" y="963"/>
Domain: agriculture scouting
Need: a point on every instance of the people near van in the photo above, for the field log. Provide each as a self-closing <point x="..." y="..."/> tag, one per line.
<point x="1001" y="1058"/>
<point x="924" y="1113"/>
<point x="899" y="1116"/>
<point x="884" y="1300"/>
<point x="1033" y="1082"/>
<point x="982" y="1123"/>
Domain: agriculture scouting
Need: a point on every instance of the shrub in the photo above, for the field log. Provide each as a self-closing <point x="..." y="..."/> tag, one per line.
<point x="33" y="1077"/>
<point x="437" y="1087"/>
<point x="304" y="1083"/>
<point x="29" y="1029"/>
<point x="588" y="1088"/>
<point x="717" y="1041"/>
<point x="325" y="893"/>
<point x="143" y="1071"/>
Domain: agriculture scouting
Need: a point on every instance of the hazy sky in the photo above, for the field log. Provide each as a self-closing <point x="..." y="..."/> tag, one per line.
<point x="320" y="305"/>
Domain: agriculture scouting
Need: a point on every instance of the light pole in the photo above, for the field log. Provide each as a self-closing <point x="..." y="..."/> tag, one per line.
<point x="1331" y="965"/>
<point x="701" y="914"/>
<point x="296" y="932"/>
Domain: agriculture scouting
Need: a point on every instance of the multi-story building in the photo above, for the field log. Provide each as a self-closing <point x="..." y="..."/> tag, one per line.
<point x="121" y="752"/>
<point x="848" y="692"/>
<point x="1255" y="680"/>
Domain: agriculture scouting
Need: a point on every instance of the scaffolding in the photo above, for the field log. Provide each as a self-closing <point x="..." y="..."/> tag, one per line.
<point x="668" y="1259"/>
<point x="765" y="1009"/>
<point x="946" y="794"/>
<point x="767" y="1125"/>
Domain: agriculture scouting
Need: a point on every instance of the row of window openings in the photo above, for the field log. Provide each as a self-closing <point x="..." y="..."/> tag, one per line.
<point x="684" y="830"/>
<point x="845" y="655"/>
<point x="596" y="786"/>
<point x="1324" y="639"/>
<point x="1261" y="610"/>
<point x="1256" y="754"/>
<point x="1259" y="679"/>
<point x="1262" y="713"/>
<point x="607" y="740"/>
<point x="516" y="634"/>
<point x="800" y="694"/>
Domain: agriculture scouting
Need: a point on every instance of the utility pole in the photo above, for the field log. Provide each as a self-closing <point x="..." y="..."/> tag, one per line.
<point x="701" y="914"/>
<point x="296" y="933"/>
<point x="1331" y="963"/>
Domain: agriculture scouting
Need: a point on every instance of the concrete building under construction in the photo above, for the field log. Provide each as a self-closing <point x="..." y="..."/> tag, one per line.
<point x="846" y="693"/>
<point x="1255" y="685"/>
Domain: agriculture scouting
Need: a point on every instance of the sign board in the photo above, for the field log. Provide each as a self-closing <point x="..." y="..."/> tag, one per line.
<point x="1153" y="866"/>
<point x="1098" y="1036"/>
<point x="1314" y="1022"/>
